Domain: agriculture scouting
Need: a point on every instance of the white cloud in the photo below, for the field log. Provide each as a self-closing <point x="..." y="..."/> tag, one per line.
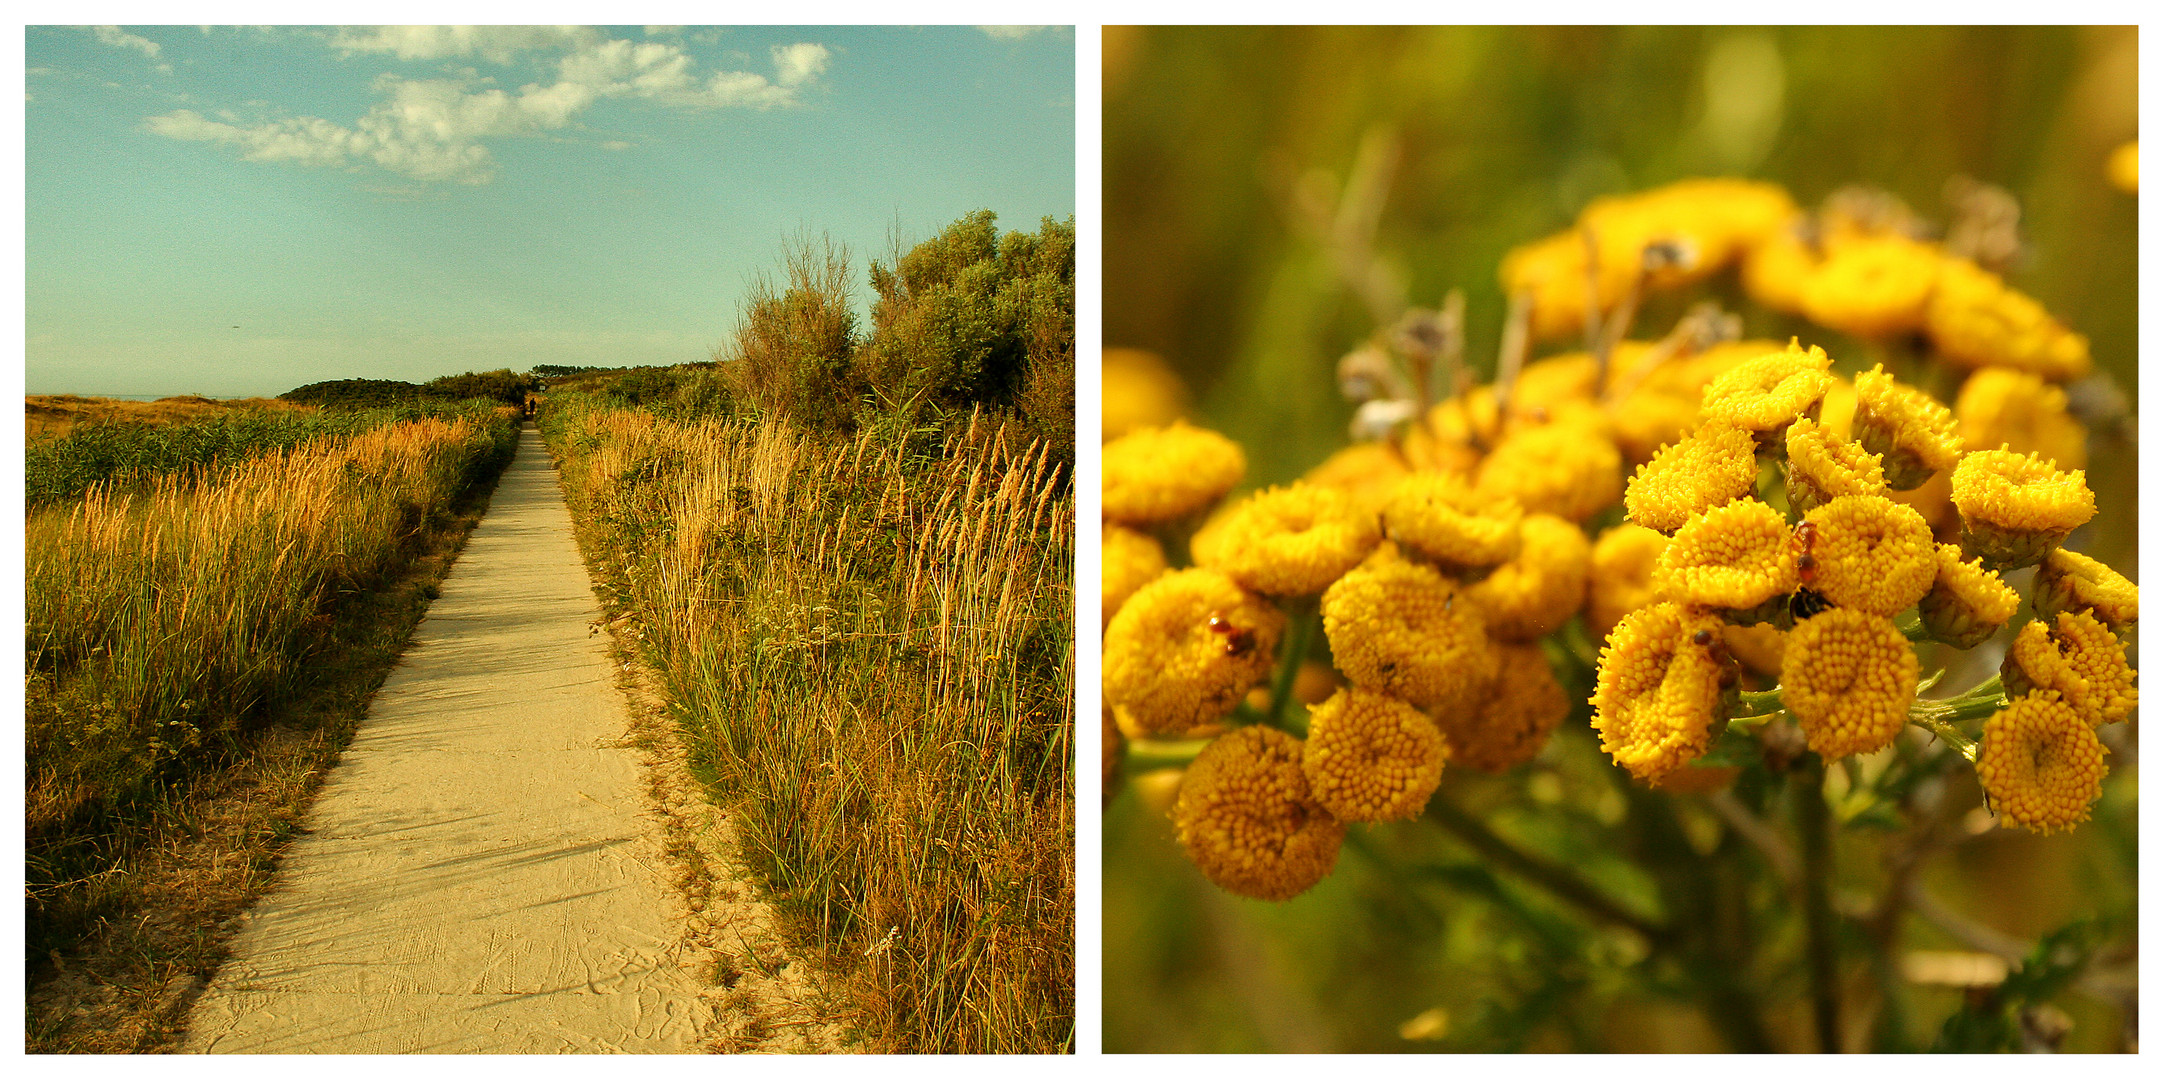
<point x="795" y="65"/>
<point x="496" y="44"/>
<point x="121" y="39"/>
<point x="1010" y="33"/>
<point x="616" y="144"/>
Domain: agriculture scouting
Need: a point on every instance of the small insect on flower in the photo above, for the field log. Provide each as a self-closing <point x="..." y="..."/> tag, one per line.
<point x="1238" y="641"/>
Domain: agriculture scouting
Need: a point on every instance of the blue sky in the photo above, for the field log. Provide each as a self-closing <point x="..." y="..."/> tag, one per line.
<point x="238" y="212"/>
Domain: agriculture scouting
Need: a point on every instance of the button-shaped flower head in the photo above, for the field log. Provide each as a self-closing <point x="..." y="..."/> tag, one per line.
<point x="1733" y="558"/>
<point x="2077" y="657"/>
<point x="1872" y="287"/>
<point x="1404" y="629"/>
<point x="2040" y="765"/>
<point x="1976" y="321"/>
<point x="1664" y="681"/>
<point x="1140" y="390"/>
<point x="1246" y="818"/>
<point x="1913" y="434"/>
<point x="1131" y="560"/>
<point x="1572" y="470"/>
<point x="1155" y="475"/>
<point x="1291" y="541"/>
<point x="1866" y="552"/>
<point x="2019" y="411"/>
<point x="2070" y="581"/>
<point x="1765" y="395"/>
<point x="1183" y="650"/>
<point x="1621" y="577"/>
<point x="2015" y="508"/>
<point x="1532" y="595"/>
<point x="1849" y="678"/>
<point x="1514" y="718"/>
<point x="1442" y="517"/>
<point x="1710" y="467"/>
<point x="1822" y="468"/>
<point x="1967" y="603"/>
<point x="1372" y="757"/>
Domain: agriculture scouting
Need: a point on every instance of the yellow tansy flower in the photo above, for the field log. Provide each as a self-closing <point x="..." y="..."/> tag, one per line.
<point x="1775" y="272"/>
<point x="2077" y="657"/>
<point x="1734" y="557"/>
<point x="1967" y="603"/>
<point x="1712" y="466"/>
<point x="1837" y="412"/>
<point x="1564" y="469"/>
<point x="1765" y="395"/>
<point x="1872" y="287"/>
<point x="1131" y="560"/>
<point x="2040" y="764"/>
<point x="1976" y="321"/>
<point x="1664" y="681"/>
<point x="1620" y="579"/>
<point x="1140" y="390"/>
<point x="1533" y="594"/>
<point x="1292" y="541"/>
<point x="1372" y="757"/>
<point x="1183" y="649"/>
<point x="2070" y="581"/>
<point x="1552" y="272"/>
<point x="1867" y="552"/>
<point x="1848" y="677"/>
<point x="1513" y="719"/>
<point x="1404" y="629"/>
<point x="1822" y="468"/>
<point x="1247" y="820"/>
<point x="1367" y="472"/>
<point x="1913" y="433"/>
<point x="1651" y="417"/>
<point x="2015" y="508"/>
<point x="2124" y="167"/>
<point x="1758" y="647"/>
<point x="1445" y="519"/>
<point x="1154" y="475"/>
<point x="2019" y="411"/>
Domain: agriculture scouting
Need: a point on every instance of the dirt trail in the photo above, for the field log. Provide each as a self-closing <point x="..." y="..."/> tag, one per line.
<point x="483" y="871"/>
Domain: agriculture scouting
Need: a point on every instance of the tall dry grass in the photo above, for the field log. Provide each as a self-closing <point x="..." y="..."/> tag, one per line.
<point x="158" y="620"/>
<point x="872" y="655"/>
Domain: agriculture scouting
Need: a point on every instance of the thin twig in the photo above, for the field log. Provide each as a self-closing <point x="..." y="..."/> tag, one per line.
<point x="1555" y="878"/>
<point x="1760" y="835"/>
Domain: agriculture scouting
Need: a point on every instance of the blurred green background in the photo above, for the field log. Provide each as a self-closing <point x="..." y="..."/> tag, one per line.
<point x="1503" y="135"/>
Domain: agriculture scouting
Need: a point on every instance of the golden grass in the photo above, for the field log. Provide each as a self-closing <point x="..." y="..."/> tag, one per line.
<point x="54" y="415"/>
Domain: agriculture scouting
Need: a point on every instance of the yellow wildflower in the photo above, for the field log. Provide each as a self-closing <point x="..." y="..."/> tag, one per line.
<point x="1758" y="647"/>
<point x="1154" y="475"/>
<point x="1183" y="649"/>
<point x="1620" y="579"/>
<point x="1848" y="677"/>
<point x="1765" y="395"/>
<point x="1934" y="500"/>
<point x="2124" y="167"/>
<point x="2080" y="659"/>
<point x="1822" y="468"/>
<point x="1513" y="719"/>
<point x="1131" y="560"/>
<point x="1911" y="432"/>
<point x="2015" y="508"/>
<point x="1712" y="466"/>
<point x="1248" y="821"/>
<point x="1552" y="272"/>
<point x="1837" y="412"/>
<point x="1872" y="287"/>
<point x="2040" y="765"/>
<point x="1967" y="603"/>
<point x="1867" y="552"/>
<point x="1976" y="321"/>
<point x="2019" y="411"/>
<point x="1456" y="434"/>
<point x="1651" y="417"/>
<point x="1366" y="472"/>
<point x="1775" y="272"/>
<point x="1537" y="592"/>
<point x="1404" y="629"/>
<point x="1445" y="519"/>
<point x="1664" y="681"/>
<point x="1734" y="557"/>
<point x="1140" y="390"/>
<point x="2069" y="581"/>
<point x="1291" y="541"/>
<point x="1549" y="383"/>
<point x="1564" y="469"/>
<point x="1372" y="757"/>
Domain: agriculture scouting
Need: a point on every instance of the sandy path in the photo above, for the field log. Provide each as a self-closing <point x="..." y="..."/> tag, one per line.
<point x="480" y="872"/>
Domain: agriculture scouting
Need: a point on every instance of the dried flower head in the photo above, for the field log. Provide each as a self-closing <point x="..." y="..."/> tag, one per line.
<point x="1976" y="321"/>
<point x="2040" y="765"/>
<point x="1569" y="470"/>
<point x="2019" y="411"/>
<point x="1514" y="718"/>
<point x="1247" y="820"/>
<point x="1664" y="681"/>
<point x="1734" y="557"/>
<point x="1822" y="468"/>
<point x="1372" y="757"/>
<point x="1291" y="541"/>
<point x="1445" y="519"/>
<point x="1911" y="431"/>
<point x="1765" y="395"/>
<point x="1967" y="603"/>
<point x="1867" y="552"/>
<point x="1154" y="475"/>
<point x="1872" y="287"/>
<point x="1710" y="467"/>
<point x="2070" y="581"/>
<point x="1404" y="629"/>
<point x="2077" y="657"/>
<point x="1131" y="560"/>
<point x="1183" y="650"/>
<point x="1620" y="579"/>
<point x="1537" y="592"/>
<point x="2015" y="508"/>
<point x="1848" y="677"/>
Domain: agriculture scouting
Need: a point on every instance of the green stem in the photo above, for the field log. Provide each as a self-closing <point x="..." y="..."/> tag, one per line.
<point x="1951" y="734"/>
<point x="1911" y="626"/>
<point x="1145" y="755"/>
<point x="1555" y="878"/>
<point x="1812" y="821"/>
<point x="1758" y="702"/>
<point x="1299" y="638"/>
